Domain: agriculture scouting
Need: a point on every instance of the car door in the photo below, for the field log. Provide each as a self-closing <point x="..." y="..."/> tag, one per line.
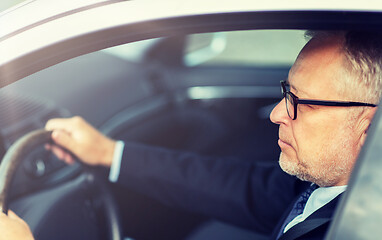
<point x="200" y="85"/>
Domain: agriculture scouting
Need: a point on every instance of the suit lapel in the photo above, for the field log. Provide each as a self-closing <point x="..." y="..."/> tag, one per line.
<point x="317" y="219"/>
<point x="300" y="188"/>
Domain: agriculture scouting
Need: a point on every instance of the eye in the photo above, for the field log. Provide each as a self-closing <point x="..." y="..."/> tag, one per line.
<point x="306" y="107"/>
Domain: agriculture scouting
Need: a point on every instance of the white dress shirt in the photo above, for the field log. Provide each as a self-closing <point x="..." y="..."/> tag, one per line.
<point x="116" y="162"/>
<point x="317" y="199"/>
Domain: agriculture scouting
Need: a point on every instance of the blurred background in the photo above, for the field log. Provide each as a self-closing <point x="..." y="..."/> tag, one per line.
<point x="5" y="4"/>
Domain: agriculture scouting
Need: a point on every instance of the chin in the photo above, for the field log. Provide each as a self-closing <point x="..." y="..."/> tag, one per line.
<point x="294" y="168"/>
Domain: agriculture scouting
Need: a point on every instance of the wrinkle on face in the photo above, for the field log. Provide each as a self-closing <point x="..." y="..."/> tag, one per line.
<point x="328" y="166"/>
<point x="324" y="140"/>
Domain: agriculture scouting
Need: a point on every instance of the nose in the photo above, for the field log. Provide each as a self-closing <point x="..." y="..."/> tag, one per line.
<point x="279" y="114"/>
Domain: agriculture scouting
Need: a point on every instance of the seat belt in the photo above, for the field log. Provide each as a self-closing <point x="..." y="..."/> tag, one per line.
<point x="303" y="228"/>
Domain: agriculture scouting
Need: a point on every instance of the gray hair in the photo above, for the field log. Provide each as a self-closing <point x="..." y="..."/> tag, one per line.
<point x="363" y="62"/>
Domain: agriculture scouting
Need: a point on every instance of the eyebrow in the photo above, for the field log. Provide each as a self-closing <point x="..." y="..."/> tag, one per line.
<point x="287" y="83"/>
<point x="293" y="87"/>
<point x="296" y="91"/>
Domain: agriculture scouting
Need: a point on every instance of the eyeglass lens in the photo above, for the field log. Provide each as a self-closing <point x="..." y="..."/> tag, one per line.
<point x="289" y="101"/>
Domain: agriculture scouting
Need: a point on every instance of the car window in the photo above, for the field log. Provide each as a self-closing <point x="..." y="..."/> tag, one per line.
<point x="267" y="48"/>
<point x="132" y="52"/>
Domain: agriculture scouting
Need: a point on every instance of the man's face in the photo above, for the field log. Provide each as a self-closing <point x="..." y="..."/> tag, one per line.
<point x="322" y="144"/>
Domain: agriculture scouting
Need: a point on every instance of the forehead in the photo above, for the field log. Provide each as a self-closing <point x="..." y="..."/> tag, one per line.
<point x="318" y="70"/>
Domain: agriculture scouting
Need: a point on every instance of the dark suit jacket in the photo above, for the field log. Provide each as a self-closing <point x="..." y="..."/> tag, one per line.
<point x="245" y="194"/>
<point x="314" y="227"/>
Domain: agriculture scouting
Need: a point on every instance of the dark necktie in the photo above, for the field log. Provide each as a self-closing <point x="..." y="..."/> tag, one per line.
<point x="298" y="207"/>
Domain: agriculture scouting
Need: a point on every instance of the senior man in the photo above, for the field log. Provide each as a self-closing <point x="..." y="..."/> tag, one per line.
<point x="329" y="100"/>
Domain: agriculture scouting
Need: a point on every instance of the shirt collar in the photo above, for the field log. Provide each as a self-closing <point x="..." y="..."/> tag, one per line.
<point x="319" y="197"/>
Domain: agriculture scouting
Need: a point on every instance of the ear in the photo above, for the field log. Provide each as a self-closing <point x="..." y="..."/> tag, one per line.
<point x="364" y="123"/>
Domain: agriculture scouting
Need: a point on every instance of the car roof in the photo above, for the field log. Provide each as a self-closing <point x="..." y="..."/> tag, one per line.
<point x="31" y="13"/>
<point x="41" y="33"/>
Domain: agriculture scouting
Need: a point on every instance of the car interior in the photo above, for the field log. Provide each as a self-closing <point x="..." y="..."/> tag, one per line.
<point x="208" y="93"/>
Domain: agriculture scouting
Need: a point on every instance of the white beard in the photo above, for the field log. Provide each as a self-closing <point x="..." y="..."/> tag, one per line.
<point x="333" y="163"/>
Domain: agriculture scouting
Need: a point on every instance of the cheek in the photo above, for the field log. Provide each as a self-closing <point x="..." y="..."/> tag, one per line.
<point x="310" y="138"/>
<point x="317" y="135"/>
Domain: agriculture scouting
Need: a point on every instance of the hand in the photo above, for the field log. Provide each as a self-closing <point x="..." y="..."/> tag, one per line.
<point x="13" y="227"/>
<point x="80" y="138"/>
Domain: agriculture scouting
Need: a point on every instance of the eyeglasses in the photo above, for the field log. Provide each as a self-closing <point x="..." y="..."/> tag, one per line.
<point x="292" y="101"/>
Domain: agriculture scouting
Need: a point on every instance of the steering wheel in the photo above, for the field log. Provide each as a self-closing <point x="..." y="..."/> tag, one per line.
<point x="21" y="148"/>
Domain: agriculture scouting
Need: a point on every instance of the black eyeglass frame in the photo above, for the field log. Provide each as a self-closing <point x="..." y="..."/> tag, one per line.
<point x="297" y="101"/>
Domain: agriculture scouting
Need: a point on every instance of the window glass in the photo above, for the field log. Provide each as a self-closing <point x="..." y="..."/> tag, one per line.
<point x="133" y="52"/>
<point x="247" y="48"/>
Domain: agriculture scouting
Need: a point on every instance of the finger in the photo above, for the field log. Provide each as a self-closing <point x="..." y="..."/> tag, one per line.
<point x="62" y="154"/>
<point x="66" y="124"/>
<point x="59" y="123"/>
<point x="63" y="139"/>
<point x="59" y="152"/>
<point x="68" y="158"/>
